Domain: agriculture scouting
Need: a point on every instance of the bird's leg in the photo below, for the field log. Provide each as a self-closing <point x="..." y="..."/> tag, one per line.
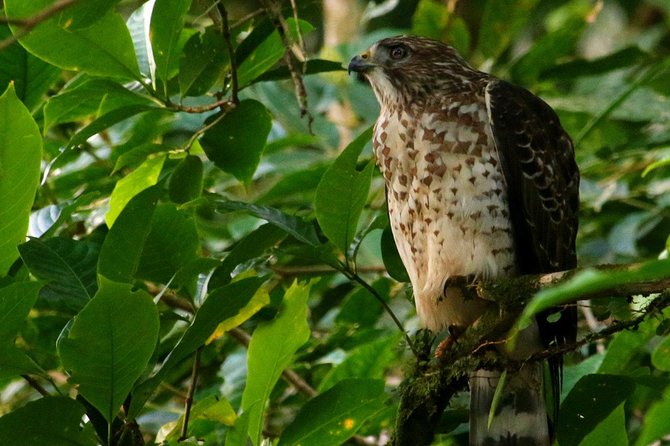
<point x="453" y="332"/>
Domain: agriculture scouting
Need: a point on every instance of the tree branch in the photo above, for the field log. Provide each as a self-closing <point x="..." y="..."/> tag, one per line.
<point x="426" y="392"/>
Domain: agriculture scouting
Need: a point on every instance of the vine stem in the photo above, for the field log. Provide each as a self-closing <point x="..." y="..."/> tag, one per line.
<point x="231" y="53"/>
<point x="189" y="397"/>
<point x="359" y="280"/>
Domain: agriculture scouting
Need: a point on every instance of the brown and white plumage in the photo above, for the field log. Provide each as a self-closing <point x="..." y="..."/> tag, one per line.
<point x="481" y="183"/>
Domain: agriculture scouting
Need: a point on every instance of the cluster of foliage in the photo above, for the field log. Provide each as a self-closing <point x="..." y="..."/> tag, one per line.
<point x="177" y="198"/>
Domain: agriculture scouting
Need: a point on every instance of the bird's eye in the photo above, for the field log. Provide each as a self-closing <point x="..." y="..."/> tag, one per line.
<point x="398" y="52"/>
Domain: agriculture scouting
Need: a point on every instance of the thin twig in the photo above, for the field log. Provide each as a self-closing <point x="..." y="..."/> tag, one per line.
<point x="358" y="279"/>
<point x="251" y="15"/>
<point x="231" y="53"/>
<point x="28" y="24"/>
<point x="35" y="385"/>
<point x="224" y="104"/>
<point x="191" y="391"/>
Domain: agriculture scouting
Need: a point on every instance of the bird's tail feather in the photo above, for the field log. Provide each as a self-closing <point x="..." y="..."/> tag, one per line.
<point x="520" y="416"/>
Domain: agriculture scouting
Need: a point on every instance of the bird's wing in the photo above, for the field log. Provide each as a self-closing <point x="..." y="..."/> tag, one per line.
<point x="538" y="162"/>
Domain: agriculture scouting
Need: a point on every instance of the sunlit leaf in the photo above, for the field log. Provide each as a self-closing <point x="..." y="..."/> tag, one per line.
<point x="268" y="358"/>
<point x="20" y="157"/>
<point x="78" y="49"/>
<point x="167" y="22"/>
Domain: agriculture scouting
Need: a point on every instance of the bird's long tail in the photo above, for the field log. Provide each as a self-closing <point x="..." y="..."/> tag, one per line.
<point x="520" y="416"/>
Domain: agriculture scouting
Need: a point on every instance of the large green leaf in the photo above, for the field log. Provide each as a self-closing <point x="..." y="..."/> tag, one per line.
<point x="32" y="76"/>
<point x="16" y="300"/>
<point x="611" y="431"/>
<point x="145" y="176"/>
<point x="342" y="193"/>
<point x="660" y="357"/>
<point x="501" y="23"/>
<point x="69" y="267"/>
<point x="271" y="351"/>
<point x="292" y="225"/>
<point x="83" y="14"/>
<point x="94" y="97"/>
<point x="104" y="48"/>
<point x="167" y="22"/>
<point x="109" y="344"/>
<point x="122" y="249"/>
<point x="336" y="415"/>
<point x="235" y="143"/>
<point x="20" y="157"/>
<point x="222" y="304"/>
<point x="53" y="421"/>
<point x="186" y="180"/>
<point x="591" y="401"/>
<point x="172" y="242"/>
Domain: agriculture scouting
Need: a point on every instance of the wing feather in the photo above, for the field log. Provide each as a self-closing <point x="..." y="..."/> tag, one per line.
<point x="538" y="162"/>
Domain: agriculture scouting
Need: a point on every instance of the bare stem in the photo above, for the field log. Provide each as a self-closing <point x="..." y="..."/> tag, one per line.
<point x="189" y="396"/>
<point x="231" y="53"/>
<point x="35" y="385"/>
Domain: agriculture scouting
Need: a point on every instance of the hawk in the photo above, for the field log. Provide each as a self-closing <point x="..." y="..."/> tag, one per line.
<point x="481" y="182"/>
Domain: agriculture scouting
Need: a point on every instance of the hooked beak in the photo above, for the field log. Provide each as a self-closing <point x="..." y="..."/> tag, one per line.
<point x="360" y="63"/>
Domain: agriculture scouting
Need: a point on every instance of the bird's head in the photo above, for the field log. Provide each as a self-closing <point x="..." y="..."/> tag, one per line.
<point x="411" y="69"/>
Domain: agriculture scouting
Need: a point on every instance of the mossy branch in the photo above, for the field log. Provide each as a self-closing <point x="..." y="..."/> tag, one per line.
<point x="430" y="385"/>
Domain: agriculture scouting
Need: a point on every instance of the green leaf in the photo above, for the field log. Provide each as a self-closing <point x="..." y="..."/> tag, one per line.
<point x="591" y="401"/>
<point x="292" y="187"/>
<point x="368" y="360"/>
<point x="186" y="180"/>
<point x="660" y="357"/>
<point x="268" y="358"/>
<point x="211" y="408"/>
<point x="592" y="281"/>
<point x="55" y="421"/>
<point x="572" y="373"/>
<point x="145" y="176"/>
<point x="221" y="305"/>
<point x="656" y="423"/>
<point x="433" y="19"/>
<point x="68" y="266"/>
<point x="342" y="193"/>
<point x="253" y="245"/>
<point x="268" y="53"/>
<point x="102" y="350"/>
<point x="122" y="249"/>
<point x="167" y="22"/>
<point x="107" y="120"/>
<point x="336" y="415"/>
<point x="391" y="258"/>
<point x="104" y="48"/>
<point x="611" y="431"/>
<point x="172" y="243"/>
<point x="235" y="143"/>
<point x="16" y="300"/>
<point x="32" y="76"/>
<point x="294" y="226"/>
<point x="204" y="62"/>
<point x="94" y="97"/>
<point x="581" y="67"/>
<point x="83" y="14"/>
<point x="501" y="23"/>
<point x="20" y="158"/>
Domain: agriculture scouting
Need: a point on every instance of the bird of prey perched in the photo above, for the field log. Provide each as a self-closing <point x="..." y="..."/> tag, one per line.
<point x="481" y="182"/>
